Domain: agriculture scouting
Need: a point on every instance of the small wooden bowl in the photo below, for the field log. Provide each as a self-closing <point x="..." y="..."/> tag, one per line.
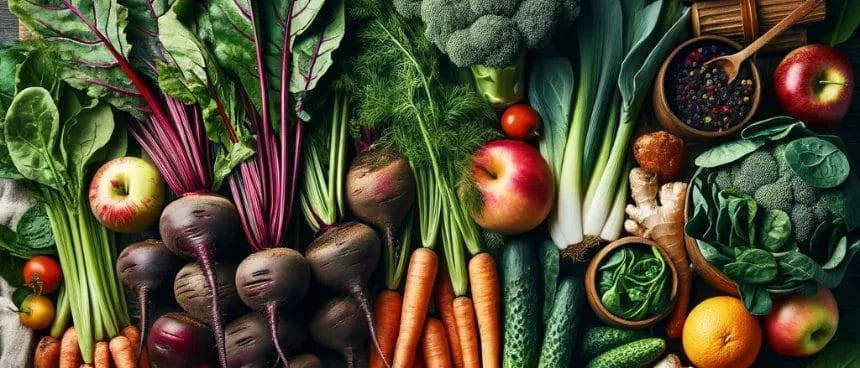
<point x="712" y="275"/>
<point x="594" y="297"/>
<point x="667" y="118"/>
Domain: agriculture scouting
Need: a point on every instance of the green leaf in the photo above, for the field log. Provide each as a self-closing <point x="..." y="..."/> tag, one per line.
<point x="756" y="299"/>
<point x="83" y="137"/>
<point x="185" y="75"/>
<point x="32" y="131"/>
<point x="846" y="22"/>
<point x="851" y="188"/>
<point x="551" y="87"/>
<point x="773" y="129"/>
<point x="754" y="266"/>
<point x="226" y="161"/>
<point x="775" y="230"/>
<point x="143" y="31"/>
<point x="818" y="162"/>
<point x="833" y="277"/>
<point x="34" y="230"/>
<point x="838" y="354"/>
<point x="797" y="266"/>
<point x="727" y="153"/>
<point x="11" y="269"/>
<point x="312" y="52"/>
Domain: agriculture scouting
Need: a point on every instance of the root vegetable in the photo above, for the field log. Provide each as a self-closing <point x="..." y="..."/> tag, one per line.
<point x="145" y="267"/>
<point x="178" y="340"/>
<point x="273" y="279"/>
<point x="195" y="226"/>
<point x="386" y="314"/>
<point x="193" y="294"/>
<point x="661" y="153"/>
<point x="663" y="222"/>
<point x="336" y="326"/>
<point x="344" y="258"/>
<point x="420" y="277"/>
<point x="47" y="353"/>
<point x="305" y="361"/>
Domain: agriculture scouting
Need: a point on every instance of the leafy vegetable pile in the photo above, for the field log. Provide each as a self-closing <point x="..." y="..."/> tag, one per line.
<point x="773" y="210"/>
<point x="634" y="284"/>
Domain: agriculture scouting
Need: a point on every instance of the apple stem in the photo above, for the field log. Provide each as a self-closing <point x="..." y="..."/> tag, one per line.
<point x="832" y="82"/>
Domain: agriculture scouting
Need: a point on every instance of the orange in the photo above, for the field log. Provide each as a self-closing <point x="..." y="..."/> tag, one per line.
<point x="720" y="333"/>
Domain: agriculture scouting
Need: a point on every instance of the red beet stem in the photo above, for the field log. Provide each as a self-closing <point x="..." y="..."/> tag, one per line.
<point x="358" y="293"/>
<point x="272" y="316"/>
<point x="204" y="257"/>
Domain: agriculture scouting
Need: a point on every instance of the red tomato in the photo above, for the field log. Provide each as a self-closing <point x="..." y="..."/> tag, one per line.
<point x="37" y="312"/>
<point x="43" y="274"/>
<point x="520" y="121"/>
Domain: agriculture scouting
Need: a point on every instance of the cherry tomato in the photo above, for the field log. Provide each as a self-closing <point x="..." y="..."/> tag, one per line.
<point x="520" y="121"/>
<point x="43" y="274"/>
<point x="37" y="312"/>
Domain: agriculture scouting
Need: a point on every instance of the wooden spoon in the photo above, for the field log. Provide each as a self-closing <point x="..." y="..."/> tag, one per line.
<point x="731" y="64"/>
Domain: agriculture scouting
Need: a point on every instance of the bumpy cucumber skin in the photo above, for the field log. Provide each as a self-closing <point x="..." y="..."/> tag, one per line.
<point x="521" y="295"/>
<point x="637" y="354"/>
<point x="562" y="328"/>
<point x="598" y="340"/>
<point x="550" y="260"/>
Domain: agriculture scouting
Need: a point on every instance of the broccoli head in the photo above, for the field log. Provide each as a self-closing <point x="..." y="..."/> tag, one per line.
<point x="775" y="196"/>
<point x="723" y="179"/>
<point x="803" y="193"/>
<point x="491" y="36"/>
<point x="755" y="170"/>
<point x="803" y="222"/>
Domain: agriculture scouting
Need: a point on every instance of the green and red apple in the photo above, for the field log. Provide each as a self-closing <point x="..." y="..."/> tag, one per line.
<point x="802" y="325"/>
<point x="516" y="186"/>
<point x="126" y="194"/>
<point x="814" y="84"/>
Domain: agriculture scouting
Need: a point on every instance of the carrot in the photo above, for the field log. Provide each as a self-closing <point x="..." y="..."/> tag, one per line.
<point x="419" y="361"/>
<point x="70" y="351"/>
<point x="465" y="314"/>
<point x="445" y="306"/>
<point x="101" y="356"/>
<point x="122" y="351"/>
<point x="132" y="333"/>
<point x="487" y="296"/>
<point x="47" y="353"/>
<point x="386" y="314"/>
<point x="416" y="300"/>
<point x="435" y="345"/>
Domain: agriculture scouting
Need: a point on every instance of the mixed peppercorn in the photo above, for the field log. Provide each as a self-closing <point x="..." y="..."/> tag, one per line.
<point x="700" y="95"/>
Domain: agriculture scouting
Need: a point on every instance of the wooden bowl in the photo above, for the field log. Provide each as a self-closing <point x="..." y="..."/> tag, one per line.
<point x="667" y="118"/>
<point x="712" y="275"/>
<point x="594" y="297"/>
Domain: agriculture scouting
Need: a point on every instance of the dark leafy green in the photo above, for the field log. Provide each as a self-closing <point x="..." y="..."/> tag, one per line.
<point x="818" y="162"/>
<point x="634" y="283"/>
<point x="550" y="92"/>
<point x="838" y="355"/>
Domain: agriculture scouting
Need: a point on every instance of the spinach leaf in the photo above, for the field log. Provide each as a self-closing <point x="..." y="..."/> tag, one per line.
<point x="729" y="152"/>
<point x="753" y="266"/>
<point x="634" y="283"/>
<point x="773" y="129"/>
<point x="838" y="354"/>
<point x="756" y="299"/>
<point x="34" y="230"/>
<point x="32" y="129"/>
<point x="713" y="254"/>
<point x="82" y="138"/>
<point x="844" y="21"/>
<point x="551" y="87"/>
<point x="797" y="266"/>
<point x="818" y="162"/>
<point x="832" y="277"/>
<point x="775" y="230"/>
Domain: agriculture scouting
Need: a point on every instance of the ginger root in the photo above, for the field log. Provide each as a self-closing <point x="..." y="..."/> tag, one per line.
<point x="661" y="218"/>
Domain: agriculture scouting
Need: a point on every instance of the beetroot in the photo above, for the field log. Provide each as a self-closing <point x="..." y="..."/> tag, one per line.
<point x="195" y="226"/>
<point x="336" y="326"/>
<point x="178" y="340"/>
<point x="249" y="343"/>
<point x="273" y="279"/>
<point x="193" y="294"/>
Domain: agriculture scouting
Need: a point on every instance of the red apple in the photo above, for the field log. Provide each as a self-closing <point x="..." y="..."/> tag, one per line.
<point x="126" y="195"/>
<point x="814" y="84"/>
<point x="802" y="325"/>
<point x="516" y="185"/>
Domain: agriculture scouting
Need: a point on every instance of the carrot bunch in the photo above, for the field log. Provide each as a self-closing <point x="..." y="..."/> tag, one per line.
<point x="119" y="352"/>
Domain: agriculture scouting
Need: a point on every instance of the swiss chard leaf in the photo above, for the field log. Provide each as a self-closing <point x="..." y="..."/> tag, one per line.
<point x="146" y="50"/>
<point x="551" y="87"/>
<point x="32" y="128"/>
<point x="312" y="52"/>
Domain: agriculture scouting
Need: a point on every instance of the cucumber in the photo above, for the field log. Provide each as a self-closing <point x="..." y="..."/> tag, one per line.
<point x="559" y="341"/>
<point x="522" y="312"/>
<point x="550" y="263"/>
<point x="637" y="354"/>
<point x="598" y="340"/>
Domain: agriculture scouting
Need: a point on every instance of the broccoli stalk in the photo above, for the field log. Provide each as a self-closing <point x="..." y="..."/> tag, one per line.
<point x="501" y="86"/>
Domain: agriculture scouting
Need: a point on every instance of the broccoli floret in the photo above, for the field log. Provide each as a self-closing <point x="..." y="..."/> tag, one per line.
<point x="756" y="169"/>
<point x="408" y="8"/>
<point x="832" y="204"/>
<point x="803" y="193"/>
<point x="723" y="179"/>
<point x="491" y="37"/>
<point x="775" y="196"/>
<point x="803" y="222"/>
<point x="778" y="152"/>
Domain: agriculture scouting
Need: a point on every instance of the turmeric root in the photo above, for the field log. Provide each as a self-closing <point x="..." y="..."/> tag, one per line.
<point x="661" y="218"/>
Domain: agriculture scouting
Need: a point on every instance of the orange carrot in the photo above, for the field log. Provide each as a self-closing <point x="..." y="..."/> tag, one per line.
<point x="70" y="351"/>
<point x="487" y="296"/>
<point x="419" y="361"/>
<point x="47" y="353"/>
<point x="122" y="351"/>
<point x="416" y="300"/>
<point x="465" y="314"/>
<point x="435" y="345"/>
<point x="132" y="333"/>
<point x="101" y="356"/>
<point x="386" y="314"/>
<point x="445" y="306"/>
